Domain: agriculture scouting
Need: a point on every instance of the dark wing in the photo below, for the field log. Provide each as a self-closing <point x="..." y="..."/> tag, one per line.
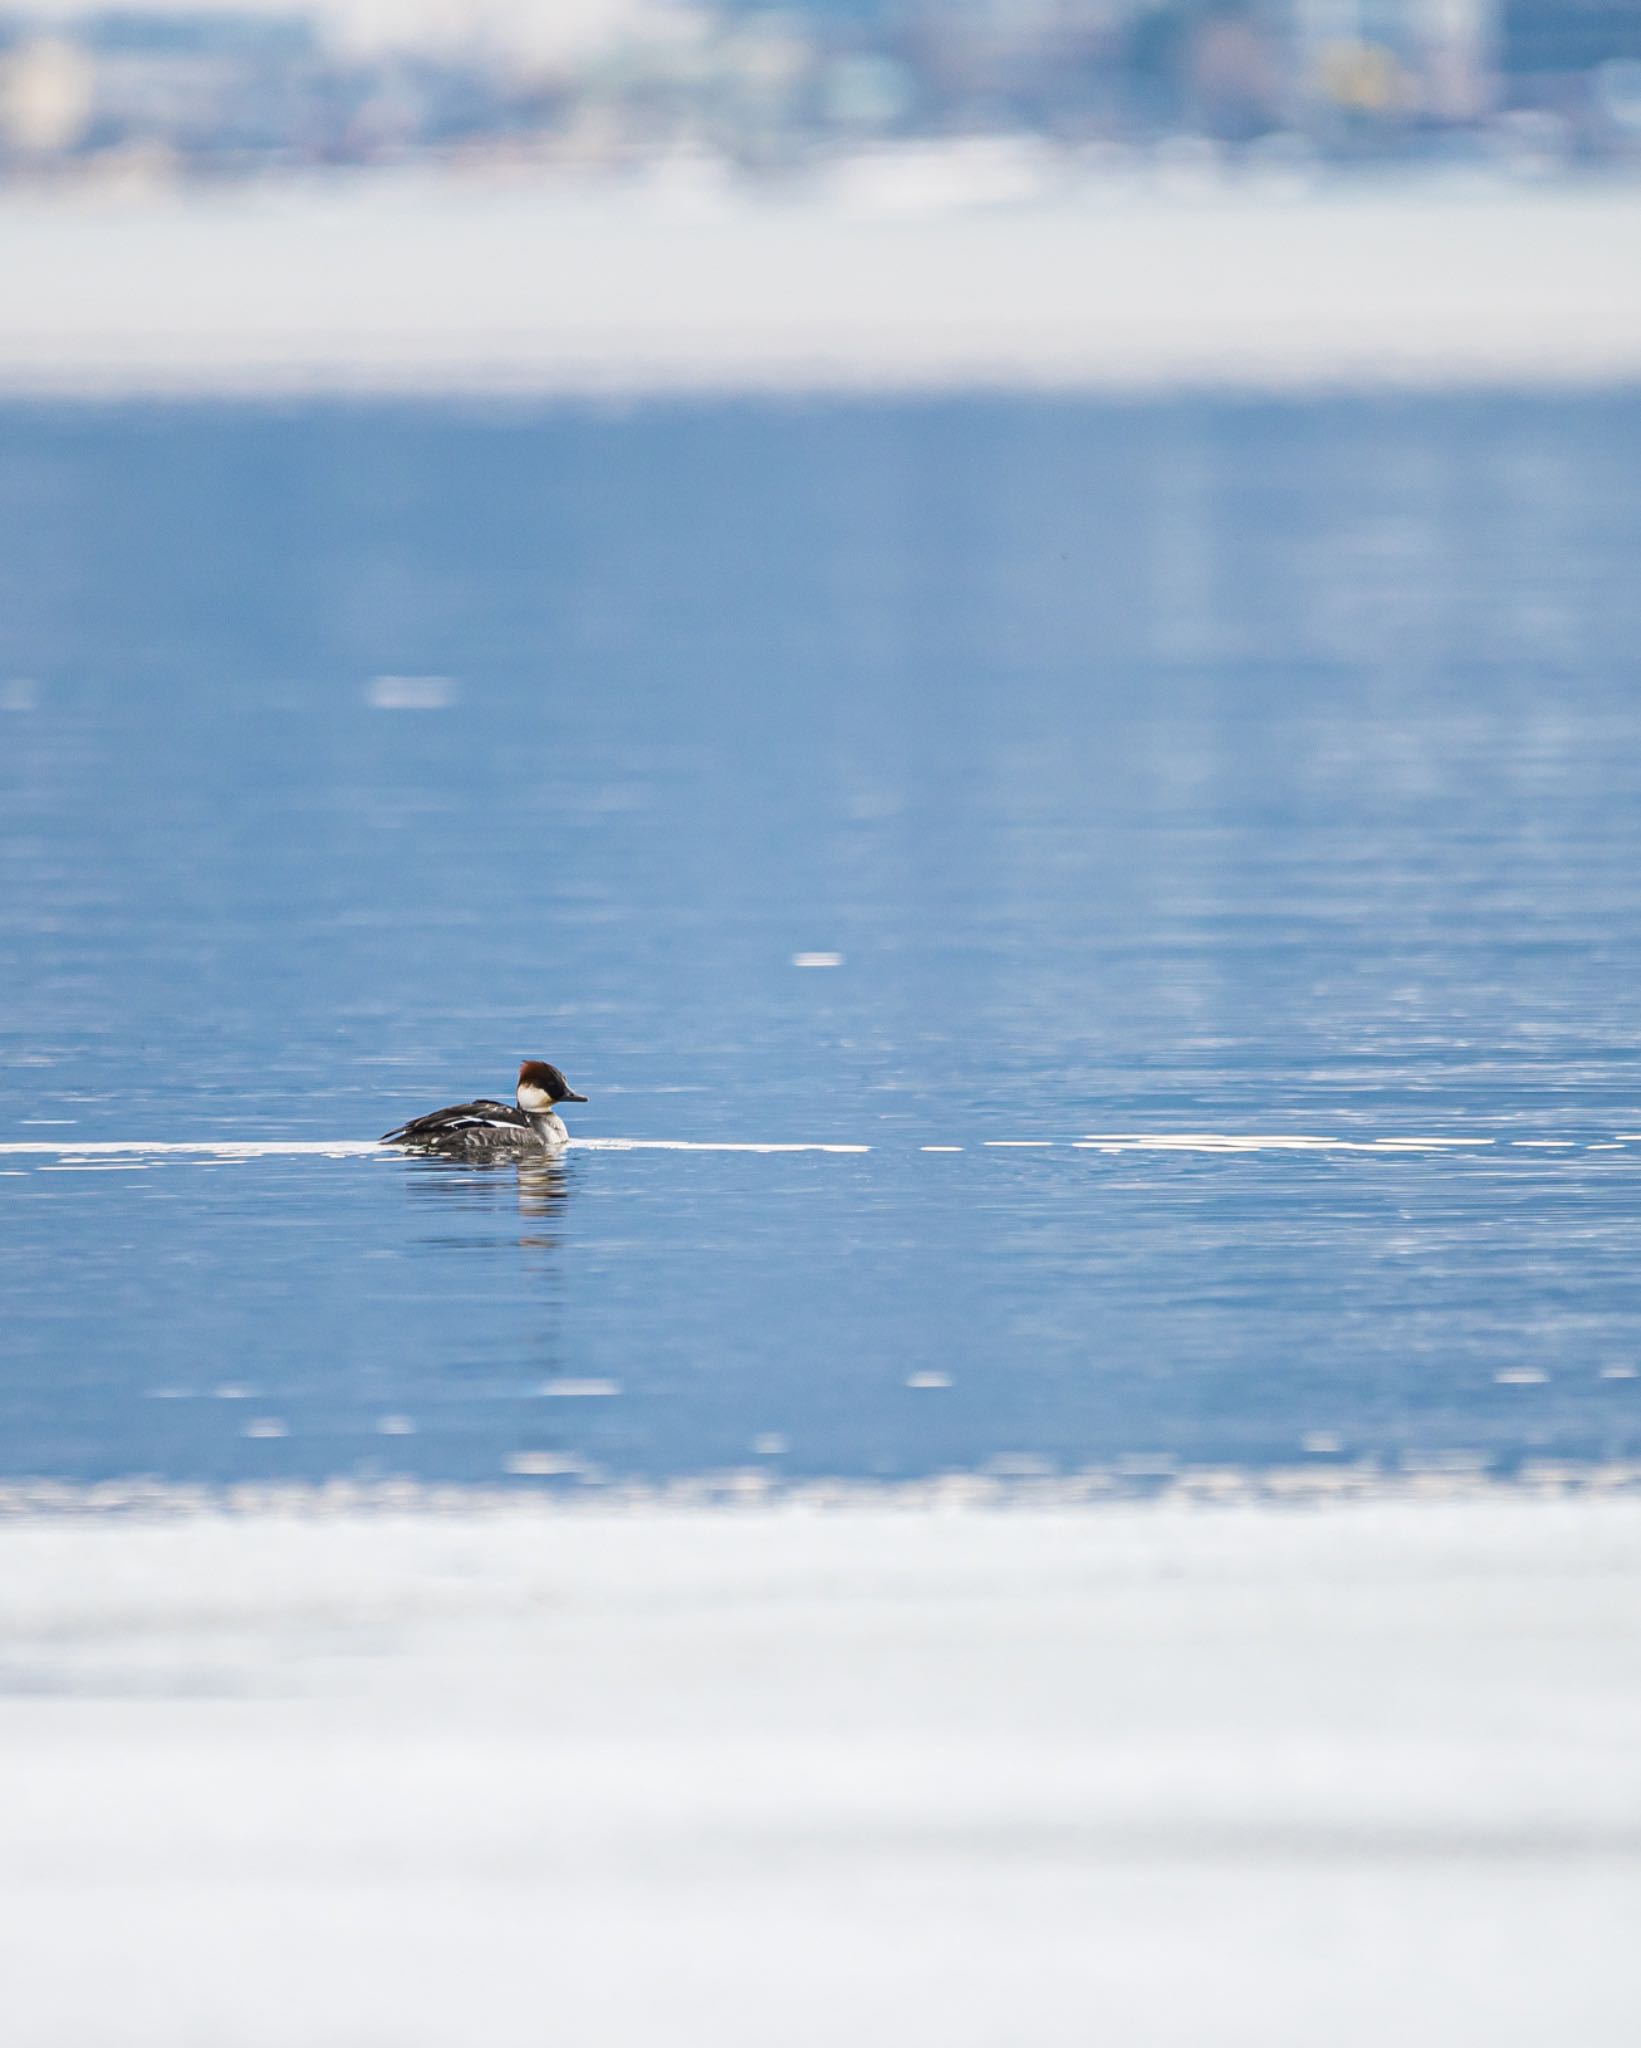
<point x="462" y="1116"/>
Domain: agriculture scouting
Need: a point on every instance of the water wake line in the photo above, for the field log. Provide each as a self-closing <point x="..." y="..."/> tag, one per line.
<point x="351" y="1148"/>
<point x="1213" y="1141"/>
<point x="90" y="1150"/>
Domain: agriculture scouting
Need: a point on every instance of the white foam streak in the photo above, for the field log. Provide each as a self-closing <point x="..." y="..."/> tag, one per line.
<point x="216" y="1148"/>
<point x="1217" y="1141"/>
<point x="86" y="1155"/>
<point x="697" y="1145"/>
<point x="351" y="1148"/>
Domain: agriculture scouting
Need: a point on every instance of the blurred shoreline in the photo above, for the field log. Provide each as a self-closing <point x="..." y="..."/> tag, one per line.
<point x="893" y="274"/>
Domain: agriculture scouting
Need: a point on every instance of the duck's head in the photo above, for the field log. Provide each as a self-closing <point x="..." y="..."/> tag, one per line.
<point x="541" y="1087"/>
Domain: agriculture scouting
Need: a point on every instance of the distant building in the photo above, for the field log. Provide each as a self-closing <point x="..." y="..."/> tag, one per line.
<point x="47" y="95"/>
<point x="1409" y="60"/>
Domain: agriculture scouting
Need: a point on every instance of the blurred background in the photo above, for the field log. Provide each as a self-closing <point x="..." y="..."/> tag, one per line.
<point x="994" y="98"/>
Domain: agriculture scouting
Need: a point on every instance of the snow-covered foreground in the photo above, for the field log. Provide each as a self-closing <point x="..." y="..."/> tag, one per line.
<point x="1145" y="1774"/>
<point x="885" y="279"/>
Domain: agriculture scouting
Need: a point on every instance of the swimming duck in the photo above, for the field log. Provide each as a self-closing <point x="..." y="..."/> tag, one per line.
<point x="498" y="1129"/>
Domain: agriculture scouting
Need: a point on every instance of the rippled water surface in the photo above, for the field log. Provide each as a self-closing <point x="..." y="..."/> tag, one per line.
<point x="1127" y="774"/>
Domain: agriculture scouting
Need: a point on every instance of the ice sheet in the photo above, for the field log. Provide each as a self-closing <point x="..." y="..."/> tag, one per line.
<point x="404" y="282"/>
<point x="510" y="1773"/>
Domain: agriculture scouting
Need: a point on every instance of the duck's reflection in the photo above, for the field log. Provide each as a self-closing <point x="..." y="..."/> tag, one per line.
<point x="513" y="1339"/>
<point x="538" y="1187"/>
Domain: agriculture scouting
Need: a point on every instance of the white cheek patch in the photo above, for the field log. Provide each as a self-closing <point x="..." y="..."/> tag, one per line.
<point x="533" y="1099"/>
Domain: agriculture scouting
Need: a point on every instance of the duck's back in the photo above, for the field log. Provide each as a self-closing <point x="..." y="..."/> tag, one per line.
<point x="468" y="1127"/>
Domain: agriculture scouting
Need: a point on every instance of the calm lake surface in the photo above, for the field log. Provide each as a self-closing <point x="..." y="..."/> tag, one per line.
<point x="1264" y="769"/>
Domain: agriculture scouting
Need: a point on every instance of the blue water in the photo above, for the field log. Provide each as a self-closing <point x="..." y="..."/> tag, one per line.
<point x="1262" y="768"/>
